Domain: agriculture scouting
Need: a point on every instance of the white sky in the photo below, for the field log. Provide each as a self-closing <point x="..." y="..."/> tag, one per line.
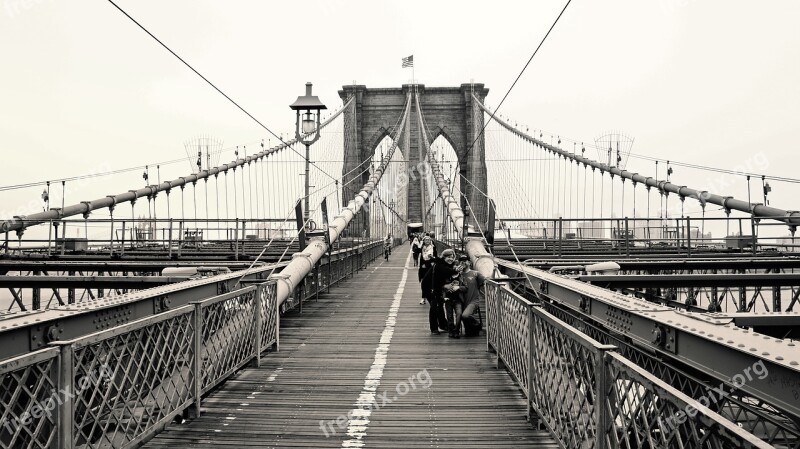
<point x="707" y="82"/>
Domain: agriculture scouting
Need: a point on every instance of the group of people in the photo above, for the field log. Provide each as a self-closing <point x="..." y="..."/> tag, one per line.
<point x="449" y="285"/>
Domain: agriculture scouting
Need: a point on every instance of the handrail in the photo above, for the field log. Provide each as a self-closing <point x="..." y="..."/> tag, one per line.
<point x="589" y="396"/>
<point x="73" y="393"/>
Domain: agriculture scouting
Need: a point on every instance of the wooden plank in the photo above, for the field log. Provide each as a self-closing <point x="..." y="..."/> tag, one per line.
<point x="326" y="355"/>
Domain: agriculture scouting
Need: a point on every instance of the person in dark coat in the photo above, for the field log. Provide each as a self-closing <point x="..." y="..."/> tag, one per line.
<point x="427" y="256"/>
<point x="441" y="274"/>
<point x="416" y="249"/>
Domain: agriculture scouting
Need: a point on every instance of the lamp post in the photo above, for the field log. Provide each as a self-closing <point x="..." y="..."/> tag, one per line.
<point x="311" y="106"/>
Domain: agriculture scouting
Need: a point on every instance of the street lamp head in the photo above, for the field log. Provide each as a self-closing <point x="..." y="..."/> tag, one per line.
<point x="308" y="102"/>
<point x="311" y="106"/>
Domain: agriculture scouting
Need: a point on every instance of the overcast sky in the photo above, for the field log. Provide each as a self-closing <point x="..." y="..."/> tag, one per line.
<point x="707" y="82"/>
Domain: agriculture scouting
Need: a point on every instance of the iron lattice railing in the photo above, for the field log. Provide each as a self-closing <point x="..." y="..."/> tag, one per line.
<point x="119" y="387"/>
<point x="589" y="396"/>
<point x="228" y="334"/>
<point x="28" y="400"/>
<point x="129" y="382"/>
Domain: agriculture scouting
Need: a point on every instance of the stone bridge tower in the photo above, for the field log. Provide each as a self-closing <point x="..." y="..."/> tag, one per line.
<point x="448" y="111"/>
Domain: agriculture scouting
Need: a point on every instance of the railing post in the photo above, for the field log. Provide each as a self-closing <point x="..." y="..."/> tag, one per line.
<point x="122" y="244"/>
<point x="627" y="239"/>
<point x="49" y="236"/>
<point x="529" y="361"/>
<point x="244" y="237"/>
<point x="257" y="326"/>
<point x="601" y="392"/>
<point x="689" y="236"/>
<point x="300" y="293"/>
<point x="63" y="238"/>
<point x="197" y="388"/>
<point x="330" y="275"/>
<point x="350" y="259"/>
<point x="180" y="237"/>
<point x="170" y="238"/>
<point x="111" y="236"/>
<point x="498" y="348"/>
<point x="488" y="326"/>
<point x="277" y="319"/>
<point x="236" y="239"/>
<point x="66" y="408"/>
<point x="317" y="277"/>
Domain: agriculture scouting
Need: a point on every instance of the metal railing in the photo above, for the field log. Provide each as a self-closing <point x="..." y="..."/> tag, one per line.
<point x="345" y="257"/>
<point x="27" y="386"/>
<point x="177" y="237"/>
<point x="120" y="386"/>
<point x="589" y="396"/>
<point x="631" y="236"/>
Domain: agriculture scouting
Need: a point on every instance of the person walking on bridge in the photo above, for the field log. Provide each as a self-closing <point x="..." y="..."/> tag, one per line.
<point x="416" y="249"/>
<point x="387" y="246"/>
<point x="427" y="255"/>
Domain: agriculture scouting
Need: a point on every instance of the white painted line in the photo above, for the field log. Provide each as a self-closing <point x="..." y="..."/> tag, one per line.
<point x="359" y="421"/>
<point x="272" y="377"/>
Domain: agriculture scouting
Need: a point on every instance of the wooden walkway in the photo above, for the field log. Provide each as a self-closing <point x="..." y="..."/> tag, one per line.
<point x="365" y="349"/>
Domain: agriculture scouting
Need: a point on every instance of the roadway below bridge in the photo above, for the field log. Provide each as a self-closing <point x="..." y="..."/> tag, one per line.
<point x="359" y="368"/>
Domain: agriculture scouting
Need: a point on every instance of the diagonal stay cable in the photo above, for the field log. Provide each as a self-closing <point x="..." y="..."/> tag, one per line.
<point x="491" y="117"/>
<point x="305" y="223"/>
<point x="215" y="87"/>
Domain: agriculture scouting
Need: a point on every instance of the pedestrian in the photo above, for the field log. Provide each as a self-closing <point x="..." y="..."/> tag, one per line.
<point x="387" y="246"/>
<point x="442" y="273"/>
<point x="416" y="248"/>
<point x="426" y="257"/>
<point x="471" y="284"/>
<point x="453" y="305"/>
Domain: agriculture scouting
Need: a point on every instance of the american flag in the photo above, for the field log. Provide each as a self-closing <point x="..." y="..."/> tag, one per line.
<point x="408" y="62"/>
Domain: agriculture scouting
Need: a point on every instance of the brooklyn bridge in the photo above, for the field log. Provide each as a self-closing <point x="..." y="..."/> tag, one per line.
<point x="243" y="305"/>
